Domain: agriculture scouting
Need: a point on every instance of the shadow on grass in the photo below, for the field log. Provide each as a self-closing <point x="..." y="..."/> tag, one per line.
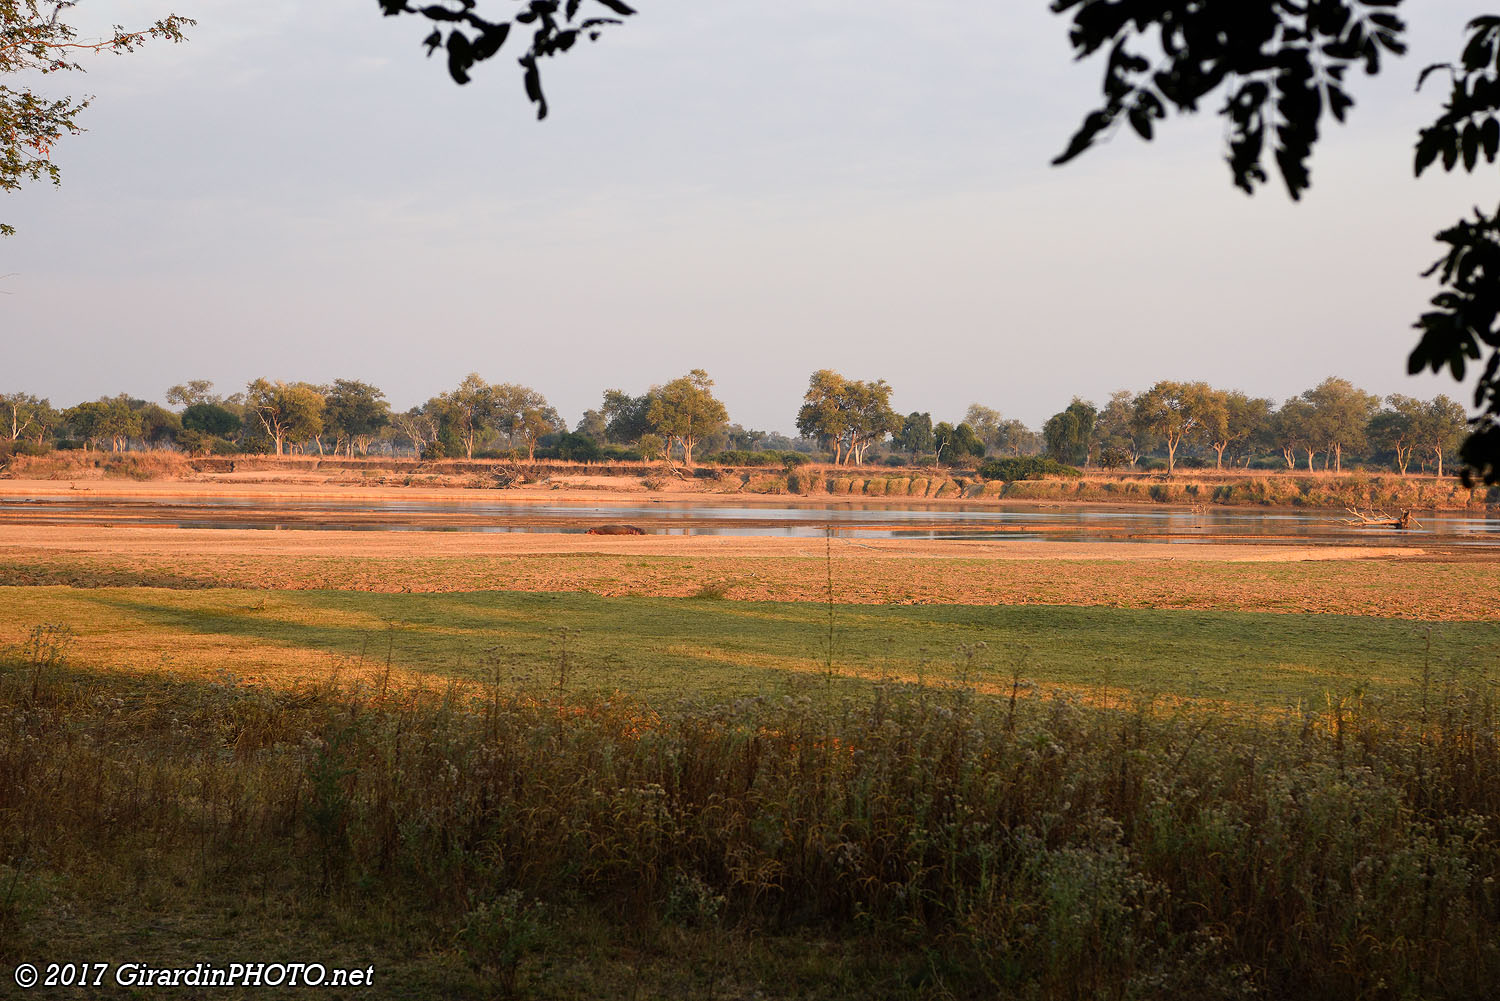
<point x="682" y="646"/>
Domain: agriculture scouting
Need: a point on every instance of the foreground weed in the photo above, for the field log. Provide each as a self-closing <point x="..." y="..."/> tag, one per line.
<point x="45" y="649"/>
<point x="498" y="934"/>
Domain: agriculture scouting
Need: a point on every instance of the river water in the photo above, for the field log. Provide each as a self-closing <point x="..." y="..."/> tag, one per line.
<point x="849" y="519"/>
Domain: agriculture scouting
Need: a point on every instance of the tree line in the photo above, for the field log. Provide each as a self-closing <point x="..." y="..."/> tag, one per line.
<point x="841" y="420"/>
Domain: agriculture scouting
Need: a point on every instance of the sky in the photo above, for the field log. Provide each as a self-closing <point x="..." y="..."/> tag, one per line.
<point x="756" y="189"/>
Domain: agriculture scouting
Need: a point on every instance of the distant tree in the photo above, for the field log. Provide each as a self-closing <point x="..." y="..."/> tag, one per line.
<point x="103" y="420"/>
<point x="159" y="426"/>
<point x="652" y="446"/>
<point x="850" y="415"/>
<point x="470" y="409"/>
<point x="915" y="435"/>
<point x="19" y="413"/>
<point x="745" y="439"/>
<point x="577" y="447"/>
<point x="193" y="392"/>
<point x="625" y="416"/>
<point x="1176" y="412"/>
<point x="1293" y="431"/>
<point x="1069" y="434"/>
<point x="593" y="426"/>
<point x="419" y="425"/>
<point x="1018" y="439"/>
<point x="821" y="415"/>
<point x="289" y="412"/>
<point x="523" y="414"/>
<point x="1247" y="419"/>
<point x="1396" y="428"/>
<point x="987" y="424"/>
<point x="1117" y="433"/>
<point x="1340" y="414"/>
<point x="685" y="411"/>
<point x="354" y="412"/>
<point x="211" y="419"/>
<point x="1440" y="429"/>
<point x="955" y="444"/>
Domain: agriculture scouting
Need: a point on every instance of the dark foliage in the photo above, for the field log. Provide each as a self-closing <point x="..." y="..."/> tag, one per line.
<point x="1280" y="66"/>
<point x="555" y="26"/>
<point x="1031" y="467"/>
<point x="767" y="457"/>
<point x="1463" y="322"/>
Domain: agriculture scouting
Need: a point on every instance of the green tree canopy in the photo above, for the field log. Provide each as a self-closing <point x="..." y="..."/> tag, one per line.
<point x="848" y="414"/>
<point x="354" y="412"/>
<point x="108" y="419"/>
<point x="685" y="411"/>
<point x="1177" y="412"/>
<point x="915" y="435"/>
<point x="522" y="414"/>
<point x="1070" y="433"/>
<point x="288" y="411"/>
<point x="1340" y="413"/>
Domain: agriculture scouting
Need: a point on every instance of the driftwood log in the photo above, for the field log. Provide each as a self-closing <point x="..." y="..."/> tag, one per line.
<point x="1379" y="519"/>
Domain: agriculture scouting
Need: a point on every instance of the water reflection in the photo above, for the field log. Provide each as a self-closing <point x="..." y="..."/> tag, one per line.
<point x="849" y="520"/>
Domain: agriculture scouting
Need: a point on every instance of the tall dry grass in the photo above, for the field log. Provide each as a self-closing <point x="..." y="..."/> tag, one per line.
<point x="1024" y="846"/>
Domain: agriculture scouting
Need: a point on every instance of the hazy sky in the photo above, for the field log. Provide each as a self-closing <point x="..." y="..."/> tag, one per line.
<point x="757" y="189"/>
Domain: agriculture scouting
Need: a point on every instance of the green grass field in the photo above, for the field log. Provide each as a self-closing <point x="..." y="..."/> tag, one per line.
<point x="668" y="648"/>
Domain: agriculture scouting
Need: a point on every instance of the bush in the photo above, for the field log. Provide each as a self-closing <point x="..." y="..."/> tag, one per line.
<point x="22" y="447"/>
<point x="769" y="457"/>
<point x="1029" y="467"/>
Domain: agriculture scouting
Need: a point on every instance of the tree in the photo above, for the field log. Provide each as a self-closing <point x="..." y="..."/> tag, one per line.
<point x="19" y="413"/>
<point x="1117" y="433"/>
<point x="159" y="426"/>
<point x="419" y="425"/>
<point x="1177" y="412"/>
<point x="625" y="416"/>
<point x="193" y="392"/>
<point x="105" y="419"/>
<point x="354" y="412"/>
<point x="915" y="435"/>
<point x="1247" y="419"/>
<point x="211" y="419"/>
<point x="1340" y="414"/>
<point x="1070" y="433"/>
<point x="987" y="423"/>
<point x="1440" y="428"/>
<point x="848" y="414"/>
<point x="34" y="38"/>
<point x="1396" y="427"/>
<point x="1018" y="439"/>
<point x="684" y="411"/>
<point x="520" y="412"/>
<point x="954" y="444"/>
<point x="1292" y="429"/>
<point x="470" y="409"/>
<point x="289" y="412"/>
<point x="593" y="426"/>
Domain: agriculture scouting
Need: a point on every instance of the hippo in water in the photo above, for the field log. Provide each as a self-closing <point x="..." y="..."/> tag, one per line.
<point x="616" y="530"/>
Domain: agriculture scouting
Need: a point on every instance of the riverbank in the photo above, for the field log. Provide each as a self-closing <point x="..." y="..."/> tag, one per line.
<point x="297" y="476"/>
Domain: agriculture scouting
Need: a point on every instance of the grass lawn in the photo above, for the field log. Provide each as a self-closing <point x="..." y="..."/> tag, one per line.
<point x="670" y="648"/>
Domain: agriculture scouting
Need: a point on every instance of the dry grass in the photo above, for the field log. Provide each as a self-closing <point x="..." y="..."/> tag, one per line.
<point x="1387" y="588"/>
<point x="968" y="847"/>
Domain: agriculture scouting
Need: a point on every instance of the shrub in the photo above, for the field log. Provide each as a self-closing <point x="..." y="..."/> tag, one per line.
<point x="1029" y="467"/>
<point x="769" y="457"/>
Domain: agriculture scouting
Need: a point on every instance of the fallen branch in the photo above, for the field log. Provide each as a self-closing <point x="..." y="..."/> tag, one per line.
<point x="1380" y="519"/>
